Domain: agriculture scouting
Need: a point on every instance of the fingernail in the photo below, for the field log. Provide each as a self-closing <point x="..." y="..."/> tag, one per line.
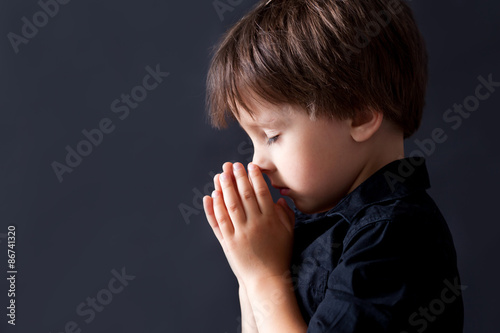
<point x="223" y="177"/>
<point x="237" y="166"/>
<point x="252" y="166"/>
<point x="215" y="194"/>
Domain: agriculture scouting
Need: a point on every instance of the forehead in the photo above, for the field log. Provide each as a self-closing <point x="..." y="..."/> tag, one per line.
<point x="265" y="116"/>
<point x="262" y="119"/>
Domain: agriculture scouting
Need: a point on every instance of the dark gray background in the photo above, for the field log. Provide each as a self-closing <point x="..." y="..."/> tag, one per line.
<point x="120" y="206"/>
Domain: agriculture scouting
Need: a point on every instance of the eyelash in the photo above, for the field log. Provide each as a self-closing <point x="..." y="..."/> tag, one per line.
<point x="272" y="140"/>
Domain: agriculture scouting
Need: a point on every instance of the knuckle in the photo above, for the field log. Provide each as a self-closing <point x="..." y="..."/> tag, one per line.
<point x="218" y="207"/>
<point x="232" y="207"/>
<point x="242" y="181"/>
<point x="261" y="191"/>
<point x="240" y="176"/>
<point x="254" y="229"/>
<point x="226" y="185"/>
<point x="223" y="220"/>
<point x="247" y="195"/>
<point x="231" y="243"/>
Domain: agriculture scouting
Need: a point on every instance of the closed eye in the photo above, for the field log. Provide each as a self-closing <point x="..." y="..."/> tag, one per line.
<point x="272" y="140"/>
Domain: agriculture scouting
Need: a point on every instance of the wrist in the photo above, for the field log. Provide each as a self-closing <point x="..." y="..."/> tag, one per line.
<point x="266" y="282"/>
<point x="274" y="304"/>
<point x="272" y="286"/>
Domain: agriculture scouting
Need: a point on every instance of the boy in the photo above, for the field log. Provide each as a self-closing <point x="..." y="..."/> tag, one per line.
<point x="327" y="91"/>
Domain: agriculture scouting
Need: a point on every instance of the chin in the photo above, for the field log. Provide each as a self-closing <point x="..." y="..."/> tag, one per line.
<point x="310" y="209"/>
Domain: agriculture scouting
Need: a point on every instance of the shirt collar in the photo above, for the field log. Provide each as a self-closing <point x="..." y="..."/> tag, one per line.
<point x="395" y="180"/>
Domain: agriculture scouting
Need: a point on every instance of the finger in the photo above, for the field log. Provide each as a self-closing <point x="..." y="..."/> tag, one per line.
<point x="209" y="213"/>
<point x="217" y="183"/>
<point x="261" y="190"/>
<point x="225" y="224"/>
<point x="288" y="210"/>
<point x="245" y="190"/>
<point x="289" y="214"/>
<point x="283" y="217"/>
<point x="228" y="168"/>
<point x="232" y="200"/>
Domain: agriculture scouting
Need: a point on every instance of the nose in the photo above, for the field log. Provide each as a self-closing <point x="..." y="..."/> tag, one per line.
<point x="263" y="161"/>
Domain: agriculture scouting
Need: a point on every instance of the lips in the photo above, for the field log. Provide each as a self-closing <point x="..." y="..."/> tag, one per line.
<point x="283" y="190"/>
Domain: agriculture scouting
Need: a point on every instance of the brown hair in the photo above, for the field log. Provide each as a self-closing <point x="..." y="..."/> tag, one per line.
<point x="331" y="57"/>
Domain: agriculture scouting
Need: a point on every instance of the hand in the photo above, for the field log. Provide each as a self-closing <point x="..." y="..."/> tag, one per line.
<point x="209" y="212"/>
<point x="255" y="233"/>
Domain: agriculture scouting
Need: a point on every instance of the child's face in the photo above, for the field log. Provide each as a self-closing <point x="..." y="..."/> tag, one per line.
<point x="315" y="161"/>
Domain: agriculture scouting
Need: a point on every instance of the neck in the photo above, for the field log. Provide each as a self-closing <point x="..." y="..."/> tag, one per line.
<point x="386" y="146"/>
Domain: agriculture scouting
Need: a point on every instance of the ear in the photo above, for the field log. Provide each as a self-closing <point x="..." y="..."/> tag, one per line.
<point x="365" y="124"/>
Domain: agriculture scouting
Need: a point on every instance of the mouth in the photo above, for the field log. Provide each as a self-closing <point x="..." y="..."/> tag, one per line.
<point x="283" y="190"/>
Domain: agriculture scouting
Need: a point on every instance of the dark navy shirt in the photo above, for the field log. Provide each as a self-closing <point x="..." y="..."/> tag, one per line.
<point x="381" y="260"/>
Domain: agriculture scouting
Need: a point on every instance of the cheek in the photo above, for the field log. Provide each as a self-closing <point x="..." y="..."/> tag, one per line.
<point x="302" y="170"/>
<point x="318" y="169"/>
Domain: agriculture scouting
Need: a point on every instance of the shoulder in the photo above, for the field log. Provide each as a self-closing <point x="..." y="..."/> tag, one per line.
<point x="399" y="240"/>
<point x="411" y="216"/>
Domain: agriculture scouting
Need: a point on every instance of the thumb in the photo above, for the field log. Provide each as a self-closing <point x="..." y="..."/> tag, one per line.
<point x="287" y="209"/>
<point x="288" y="214"/>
